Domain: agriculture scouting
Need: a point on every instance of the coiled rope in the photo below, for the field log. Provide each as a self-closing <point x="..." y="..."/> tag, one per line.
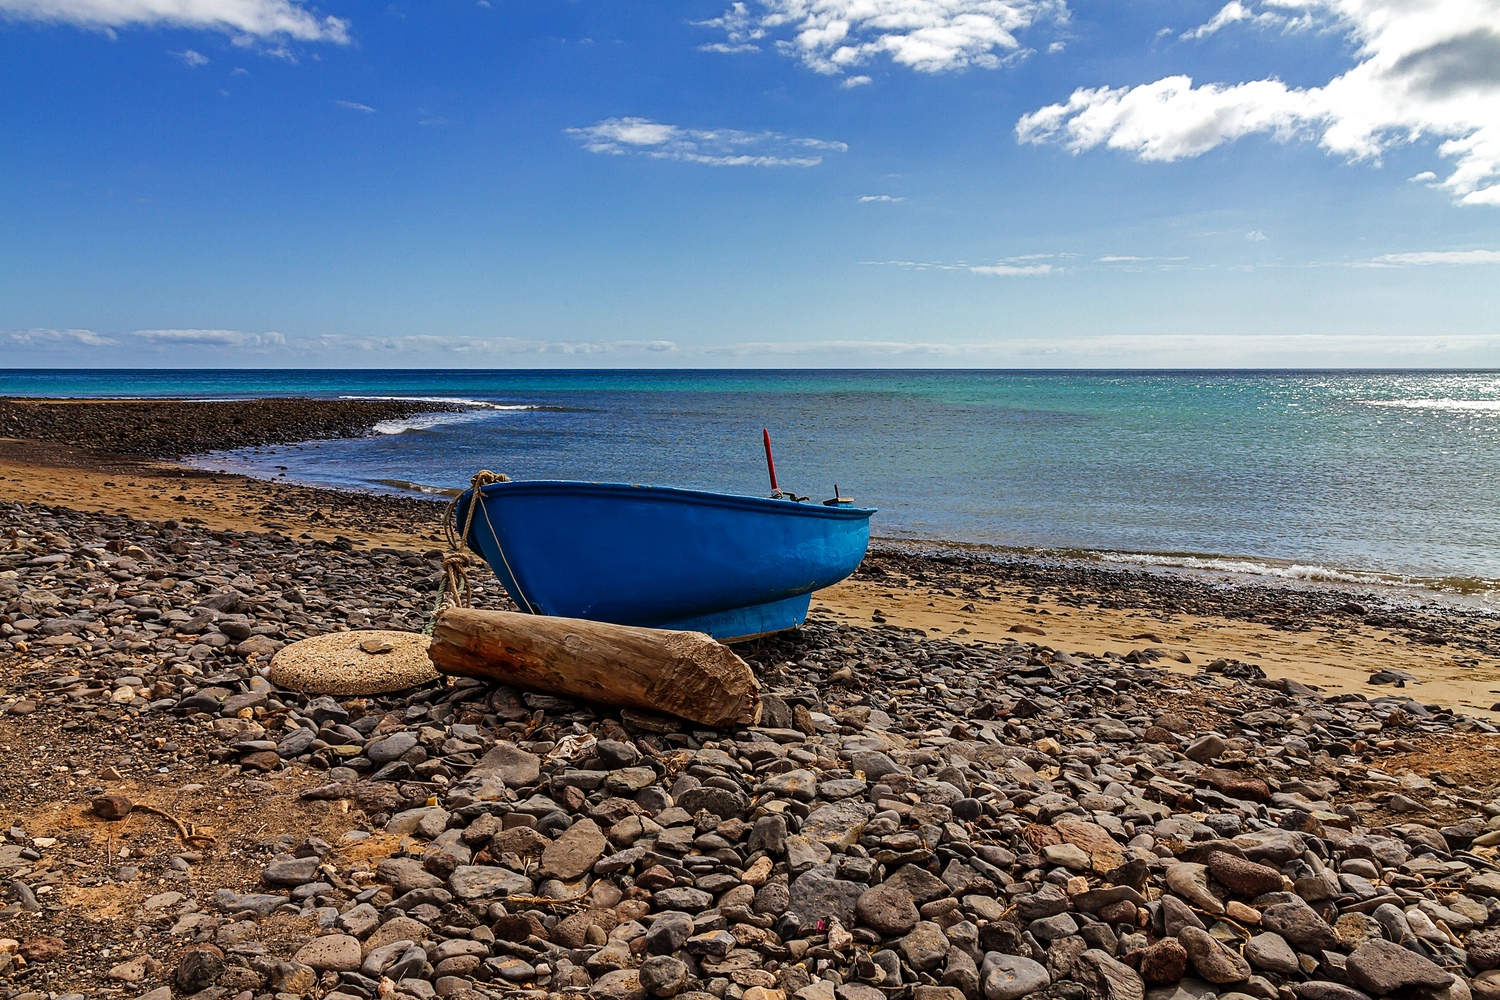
<point x="454" y="588"/>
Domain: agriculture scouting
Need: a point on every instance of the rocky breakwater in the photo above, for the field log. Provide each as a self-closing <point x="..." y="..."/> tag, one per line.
<point x="914" y="818"/>
<point x="171" y="428"/>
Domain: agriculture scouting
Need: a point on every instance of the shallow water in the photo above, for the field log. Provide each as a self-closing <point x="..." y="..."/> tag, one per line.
<point x="1365" y="476"/>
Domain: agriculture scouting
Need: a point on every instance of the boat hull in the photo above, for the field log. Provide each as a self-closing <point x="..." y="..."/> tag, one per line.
<point x="732" y="566"/>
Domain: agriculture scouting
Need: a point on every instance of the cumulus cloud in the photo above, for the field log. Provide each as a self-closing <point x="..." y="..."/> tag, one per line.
<point x="192" y="58"/>
<point x="1424" y="70"/>
<point x="248" y="20"/>
<point x="929" y="36"/>
<point x="714" y="147"/>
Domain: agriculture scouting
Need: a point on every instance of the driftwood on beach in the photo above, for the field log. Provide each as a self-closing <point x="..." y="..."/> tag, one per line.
<point x="685" y="674"/>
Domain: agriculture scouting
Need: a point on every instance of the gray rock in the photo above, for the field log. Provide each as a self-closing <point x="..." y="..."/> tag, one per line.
<point x="574" y="852"/>
<point x="405" y="874"/>
<point x="663" y="975"/>
<point x="291" y="871"/>
<point x="886" y="908"/>
<point x="925" y="947"/>
<point x="1380" y="968"/>
<point x="1214" y="962"/>
<point x="1010" y="977"/>
<point x="483" y="881"/>
<point x="1271" y="952"/>
<point x="1300" y="925"/>
<point x="391" y="747"/>
<point x="1106" y="978"/>
<point x="333" y="952"/>
<point x="818" y="894"/>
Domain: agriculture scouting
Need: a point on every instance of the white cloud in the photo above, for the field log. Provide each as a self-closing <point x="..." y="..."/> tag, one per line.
<point x="1424" y="257"/>
<point x="715" y="147"/>
<point x="1234" y="12"/>
<point x="210" y="338"/>
<point x="1424" y="70"/>
<point x="60" y="338"/>
<point x="1011" y="267"/>
<point x="1256" y="236"/>
<point x="355" y="106"/>
<point x="929" y="36"/>
<point x="266" y="20"/>
<point x="192" y="58"/>
<point x="866" y="199"/>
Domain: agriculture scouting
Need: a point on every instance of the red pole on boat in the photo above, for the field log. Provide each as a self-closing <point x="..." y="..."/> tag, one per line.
<point x="770" y="462"/>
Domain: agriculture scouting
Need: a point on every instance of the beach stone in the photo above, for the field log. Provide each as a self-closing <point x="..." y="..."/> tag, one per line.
<point x="1010" y="977"/>
<point x="335" y="664"/>
<point x="819" y="894"/>
<point x="1212" y="961"/>
<point x="925" y="946"/>
<point x="575" y="851"/>
<point x="886" y="908"/>
<point x="838" y="824"/>
<point x="482" y="881"/>
<point x="663" y="975"/>
<point x="1381" y="968"/>
<point x="1190" y="881"/>
<point x="1163" y="963"/>
<point x="1271" y="952"/>
<point x="334" y="952"/>
<point x="510" y="765"/>
<point x="1242" y="877"/>
<point x="1299" y="924"/>
<point x="1324" y="990"/>
<point x="1105" y="978"/>
<point x="198" y="969"/>
<point x="405" y="874"/>
<point x="390" y="748"/>
<point x="1484" y="950"/>
<point x="620" y="984"/>
<point x="291" y="871"/>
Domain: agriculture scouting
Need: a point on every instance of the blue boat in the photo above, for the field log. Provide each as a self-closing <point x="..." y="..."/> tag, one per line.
<point x="735" y="567"/>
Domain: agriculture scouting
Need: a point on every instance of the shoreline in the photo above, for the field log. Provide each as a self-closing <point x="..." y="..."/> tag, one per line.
<point x="1434" y="647"/>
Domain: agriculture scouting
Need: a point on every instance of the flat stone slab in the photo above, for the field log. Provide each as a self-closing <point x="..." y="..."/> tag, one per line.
<point x="342" y="663"/>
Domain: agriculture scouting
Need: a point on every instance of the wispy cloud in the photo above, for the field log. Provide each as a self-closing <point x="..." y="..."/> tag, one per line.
<point x="210" y="338"/>
<point x="866" y="199"/>
<point x="714" y="147"/>
<point x="1426" y="258"/>
<point x="1256" y="236"/>
<point x="355" y="106"/>
<point x="929" y="36"/>
<point x="192" y="58"/>
<point x="1011" y="267"/>
<point x="246" y="20"/>
<point x="60" y="338"/>
<point x="1235" y="12"/>
<point x="1423" y="71"/>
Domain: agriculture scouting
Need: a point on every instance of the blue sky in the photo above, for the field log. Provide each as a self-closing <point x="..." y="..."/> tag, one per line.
<point x="512" y="183"/>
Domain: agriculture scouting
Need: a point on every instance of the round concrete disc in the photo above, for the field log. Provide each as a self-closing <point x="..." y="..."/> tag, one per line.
<point x="360" y="662"/>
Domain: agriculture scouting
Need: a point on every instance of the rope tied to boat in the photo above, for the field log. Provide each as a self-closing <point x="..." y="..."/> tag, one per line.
<point x="454" y="586"/>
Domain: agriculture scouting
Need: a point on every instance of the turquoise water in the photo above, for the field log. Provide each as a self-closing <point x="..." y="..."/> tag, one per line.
<point x="1336" y="475"/>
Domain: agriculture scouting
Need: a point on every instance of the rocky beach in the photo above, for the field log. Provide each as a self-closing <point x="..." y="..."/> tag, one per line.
<point x="975" y="779"/>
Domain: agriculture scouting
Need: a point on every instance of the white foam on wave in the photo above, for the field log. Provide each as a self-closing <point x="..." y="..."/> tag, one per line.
<point x="476" y="404"/>
<point x="1310" y="572"/>
<point x="426" y="421"/>
<point x="1472" y="405"/>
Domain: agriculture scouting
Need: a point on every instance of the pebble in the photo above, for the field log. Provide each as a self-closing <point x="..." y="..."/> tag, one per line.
<point x="942" y="822"/>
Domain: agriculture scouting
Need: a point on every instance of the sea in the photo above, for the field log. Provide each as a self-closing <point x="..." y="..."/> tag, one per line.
<point x="1343" y="477"/>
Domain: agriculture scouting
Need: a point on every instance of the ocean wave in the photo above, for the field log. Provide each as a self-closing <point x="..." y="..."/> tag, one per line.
<point x="1471" y="405"/>
<point x="1300" y="572"/>
<point x="407" y="486"/>
<point x="426" y="421"/>
<point x="474" y="404"/>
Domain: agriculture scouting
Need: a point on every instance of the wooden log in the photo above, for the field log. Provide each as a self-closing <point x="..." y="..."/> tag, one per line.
<point x="686" y="674"/>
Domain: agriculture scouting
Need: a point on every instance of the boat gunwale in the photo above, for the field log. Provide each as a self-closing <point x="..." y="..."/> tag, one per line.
<point x="707" y="498"/>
